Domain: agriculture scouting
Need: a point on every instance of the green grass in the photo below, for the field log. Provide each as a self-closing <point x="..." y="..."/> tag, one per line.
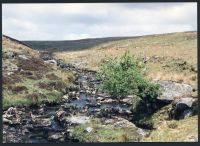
<point x="104" y="133"/>
<point x="33" y="95"/>
<point x="10" y="99"/>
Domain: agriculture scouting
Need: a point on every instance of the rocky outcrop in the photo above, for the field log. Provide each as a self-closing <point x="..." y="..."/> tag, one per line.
<point x="172" y="90"/>
<point x="179" y="94"/>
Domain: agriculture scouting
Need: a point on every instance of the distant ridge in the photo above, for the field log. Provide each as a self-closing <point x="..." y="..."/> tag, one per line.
<point x="71" y="45"/>
<point x="75" y="45"/>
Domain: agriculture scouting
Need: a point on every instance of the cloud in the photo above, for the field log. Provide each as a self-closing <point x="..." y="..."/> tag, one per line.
<point x="91" y="20"/>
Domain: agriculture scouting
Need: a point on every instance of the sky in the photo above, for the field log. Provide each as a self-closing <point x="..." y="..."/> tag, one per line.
<point x="74" y="21"/>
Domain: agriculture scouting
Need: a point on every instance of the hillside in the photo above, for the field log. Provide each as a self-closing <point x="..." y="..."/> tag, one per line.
<point x="171" y="56"/>
<point x="74" y="45"/>
<point x="23" y="74"/>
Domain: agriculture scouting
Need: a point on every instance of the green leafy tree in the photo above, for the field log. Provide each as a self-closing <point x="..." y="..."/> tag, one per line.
<point x="124" y="76"/>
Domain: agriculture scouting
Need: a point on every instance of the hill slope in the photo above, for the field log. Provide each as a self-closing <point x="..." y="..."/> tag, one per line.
<point x="171" y="56"/>
<point x="73" y="45"/>
<point x="27" y="79"/>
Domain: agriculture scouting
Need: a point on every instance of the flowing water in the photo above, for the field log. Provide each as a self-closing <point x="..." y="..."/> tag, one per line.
<point x="30" y="130"/>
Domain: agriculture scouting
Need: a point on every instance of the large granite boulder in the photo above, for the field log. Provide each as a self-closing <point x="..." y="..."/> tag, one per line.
<point x="172" y="90"/>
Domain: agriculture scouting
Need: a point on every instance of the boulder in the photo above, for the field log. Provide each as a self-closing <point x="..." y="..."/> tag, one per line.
<point x="187" y="101"/>
<point x="52" y="62"/>
<point x="186" y="113"/>
<point x="56" y="137"/>
<point x="182" y="108"/>
<point x="172" y="90"/>
<point x="78" y="119"/>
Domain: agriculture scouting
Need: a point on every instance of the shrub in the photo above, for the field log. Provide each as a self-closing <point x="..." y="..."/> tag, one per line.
<point x="123" y="76"/>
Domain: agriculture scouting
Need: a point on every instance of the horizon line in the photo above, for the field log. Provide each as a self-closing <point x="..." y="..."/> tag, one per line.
<point x="104" y="37"/>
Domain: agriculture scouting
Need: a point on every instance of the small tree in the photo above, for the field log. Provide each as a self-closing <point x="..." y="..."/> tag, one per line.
<point x="123" y="76"/>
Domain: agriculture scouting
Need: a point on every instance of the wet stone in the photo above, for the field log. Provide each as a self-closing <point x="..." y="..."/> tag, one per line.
<point x="56" y="137"/>
<point x="42" y="122"/>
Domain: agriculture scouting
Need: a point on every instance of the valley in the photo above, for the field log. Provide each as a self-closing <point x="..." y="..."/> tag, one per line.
<point x="52" y="95"/>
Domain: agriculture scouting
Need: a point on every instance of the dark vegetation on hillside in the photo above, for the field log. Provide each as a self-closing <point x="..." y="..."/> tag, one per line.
<point x="73" y="45"/>
<point x="76" y="45"/>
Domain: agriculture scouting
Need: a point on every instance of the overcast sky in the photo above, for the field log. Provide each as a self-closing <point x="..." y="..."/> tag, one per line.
<point x="79" y="21"/>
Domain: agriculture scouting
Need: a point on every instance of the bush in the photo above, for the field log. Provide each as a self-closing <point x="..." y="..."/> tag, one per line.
<point x="124" y="76"/>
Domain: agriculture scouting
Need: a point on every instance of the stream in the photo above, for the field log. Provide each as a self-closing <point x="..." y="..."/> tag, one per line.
<point x="47" y="123"/>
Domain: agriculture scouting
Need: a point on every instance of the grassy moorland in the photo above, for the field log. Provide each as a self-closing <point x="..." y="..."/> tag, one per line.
<point x="172" y="56"/>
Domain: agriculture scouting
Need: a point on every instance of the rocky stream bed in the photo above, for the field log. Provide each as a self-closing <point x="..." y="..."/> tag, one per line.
<point x="50" y="122"/>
